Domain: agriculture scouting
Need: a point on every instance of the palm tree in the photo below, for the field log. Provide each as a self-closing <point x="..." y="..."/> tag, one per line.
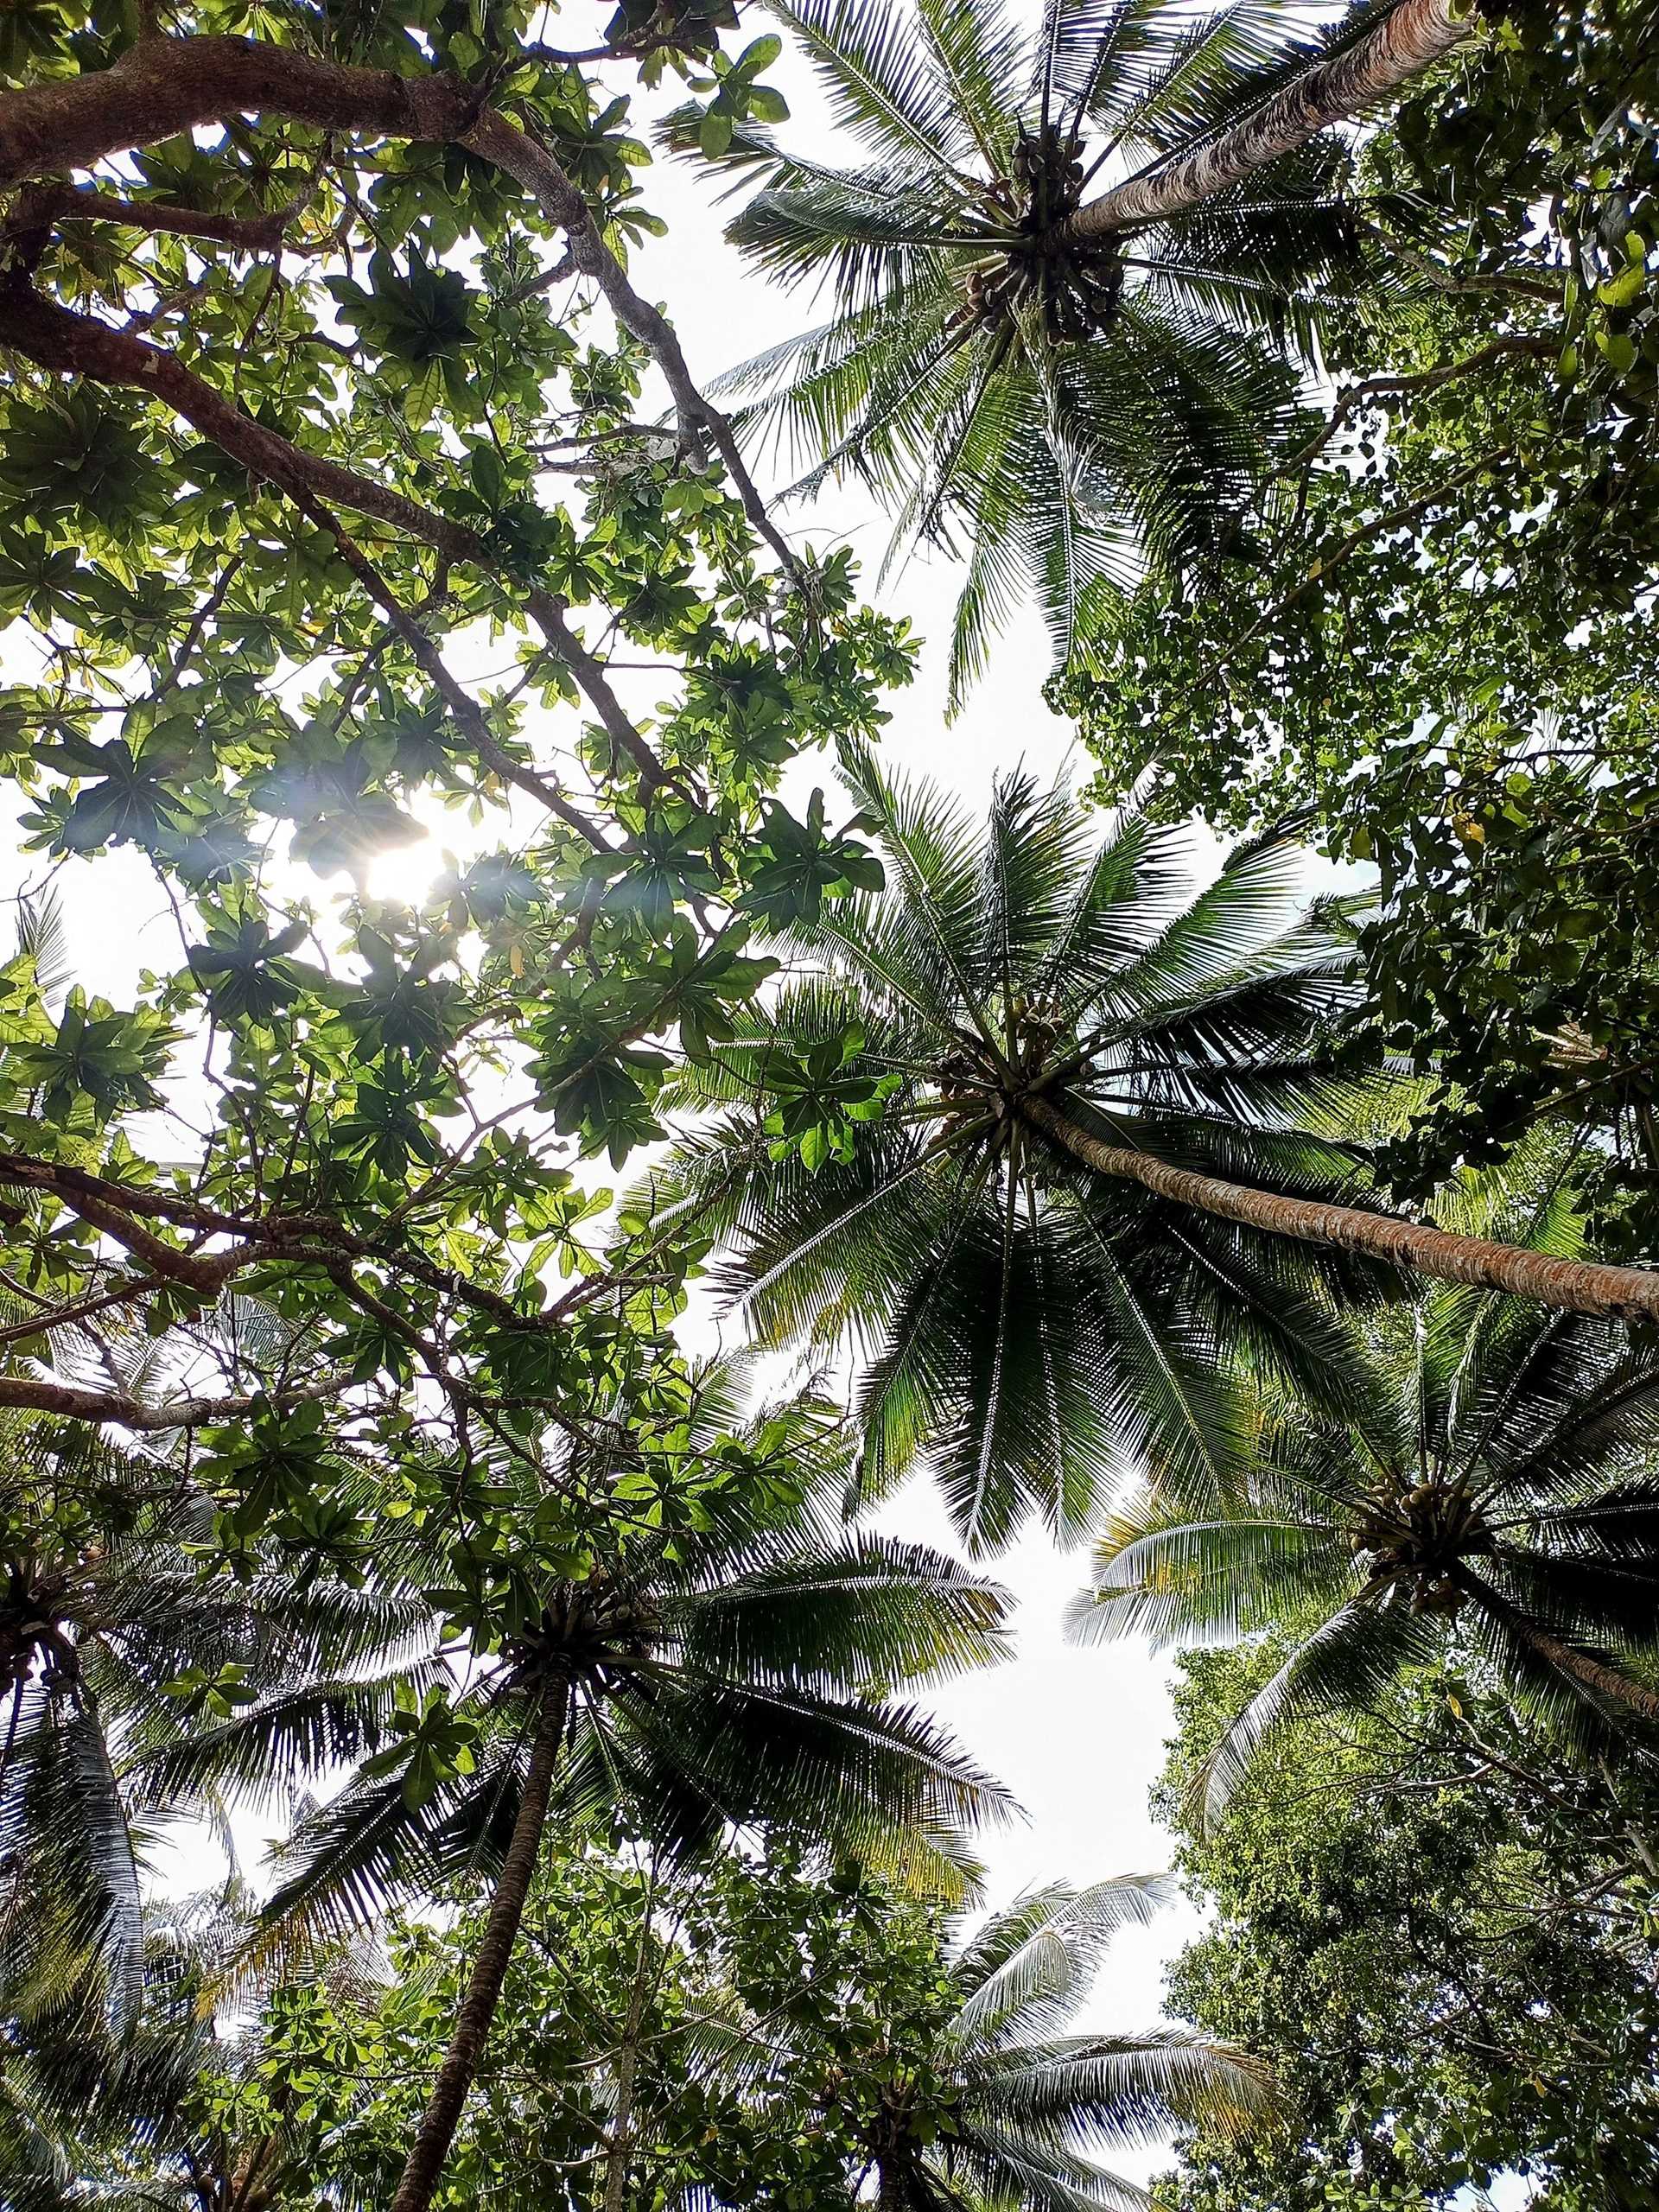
<point x="1078" y="385"/>
<point x="1489" y="1479"/>
<point x="1100" y="1143"/>
<point x="695" y="1677"/>
<point x="1027" y="2105"/>
<point x="184" y="2109"/>
<point x="115" y="1643"/>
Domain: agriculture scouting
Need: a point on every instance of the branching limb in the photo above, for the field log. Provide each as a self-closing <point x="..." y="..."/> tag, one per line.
<point x="164" y="85"/>
<point x="55" y="338"/>
<point x="466" y="709"/>
<point x="1380" y="526"/>
<point x="305" y="1240"/>
<point x="45" y="205"/>
<point x="1357" y="396"/>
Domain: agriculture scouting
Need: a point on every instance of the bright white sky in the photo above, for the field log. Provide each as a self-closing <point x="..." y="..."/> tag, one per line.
<point x="1078" y="1735"/>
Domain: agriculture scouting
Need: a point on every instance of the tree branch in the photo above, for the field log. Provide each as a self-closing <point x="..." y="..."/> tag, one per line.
<point x="34" y="1395"/>
<point x="307" y="1240"/>
<point x="163" y="86"/>
<point x="55" y="338"/>
<point x="204" y="1273"/>
<point x="69" y="203"/>
<point x="1391" y="518"/>
<point x="1350" y="402"/>
<point x="464" y="708"/>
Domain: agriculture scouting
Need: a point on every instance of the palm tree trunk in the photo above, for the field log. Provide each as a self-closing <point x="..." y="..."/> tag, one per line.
<point x="443" y="2108"/>
<point x="1610" y="1682"/>
<point x="1409" y="40"/>
<point x="1577" y="1286"/>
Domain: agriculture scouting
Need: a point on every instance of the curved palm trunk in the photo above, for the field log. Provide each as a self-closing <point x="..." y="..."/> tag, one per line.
<point x="1409" y="40"/>
<point x="1577" y="1285"/>
<point x="443" y="2108"/>
<point x="1610" y="1682"/>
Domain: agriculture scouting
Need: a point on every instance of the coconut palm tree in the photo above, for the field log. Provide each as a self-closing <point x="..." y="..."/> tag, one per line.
<point x="184" y="2111"/>
<point x="1043" y="1134"/>
<point x="1488" y="1481"/>
<point x="1075" y="285"/>
<point x="703" y="1672"/>
<point x="115" y="1642"/>
<point x="1027" y="2105"/>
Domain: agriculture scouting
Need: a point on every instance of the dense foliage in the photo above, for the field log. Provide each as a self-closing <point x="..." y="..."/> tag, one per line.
<point x="778" y="2034"/>
<point x="1444" y="1937"/>
<point x="1431" y="640"/>
<point x="357" y="1478"/>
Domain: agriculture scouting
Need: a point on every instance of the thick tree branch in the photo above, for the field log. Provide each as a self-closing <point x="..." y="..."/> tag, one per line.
<point x="164" y="85"/>
<point x="206" y="1274"/>
<point x="76" y="345"/>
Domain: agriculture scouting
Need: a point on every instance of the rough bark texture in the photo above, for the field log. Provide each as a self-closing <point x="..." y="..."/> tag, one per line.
<point x="443" y="2108"/>
<point x="1411" y="39"/>
<point x="1579" y="1286"/>
<point x="1610" y="1682"/>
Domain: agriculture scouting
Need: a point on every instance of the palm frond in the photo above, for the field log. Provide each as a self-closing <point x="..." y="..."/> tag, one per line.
<point x="1191" y="1582"/>
<point x="883" y="83"/>
<point x="1345" y="1664"/>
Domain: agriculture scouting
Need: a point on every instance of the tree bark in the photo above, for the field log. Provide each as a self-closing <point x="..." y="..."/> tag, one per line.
<point x="1410" y="39"/>
<point x="1611" y="1681"/>
<point x="164" y="85"/>
<point x="1577" y="1286"/>
<point x="454" y="2079"/>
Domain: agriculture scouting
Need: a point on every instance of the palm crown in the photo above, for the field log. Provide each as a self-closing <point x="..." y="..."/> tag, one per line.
<point x="697" y="1676"/>
<point x="1074" y="401"/>
<point x="1488" y="1477"/>
<point x="1027" y="1319"/>
<point x="1029" y="2104"/>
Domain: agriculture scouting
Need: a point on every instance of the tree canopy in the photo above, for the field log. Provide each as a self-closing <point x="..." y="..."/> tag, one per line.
<point x="1441" y="1933"/>
<point x="365" y="1474"/>
<point x="1431" y="638"/>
